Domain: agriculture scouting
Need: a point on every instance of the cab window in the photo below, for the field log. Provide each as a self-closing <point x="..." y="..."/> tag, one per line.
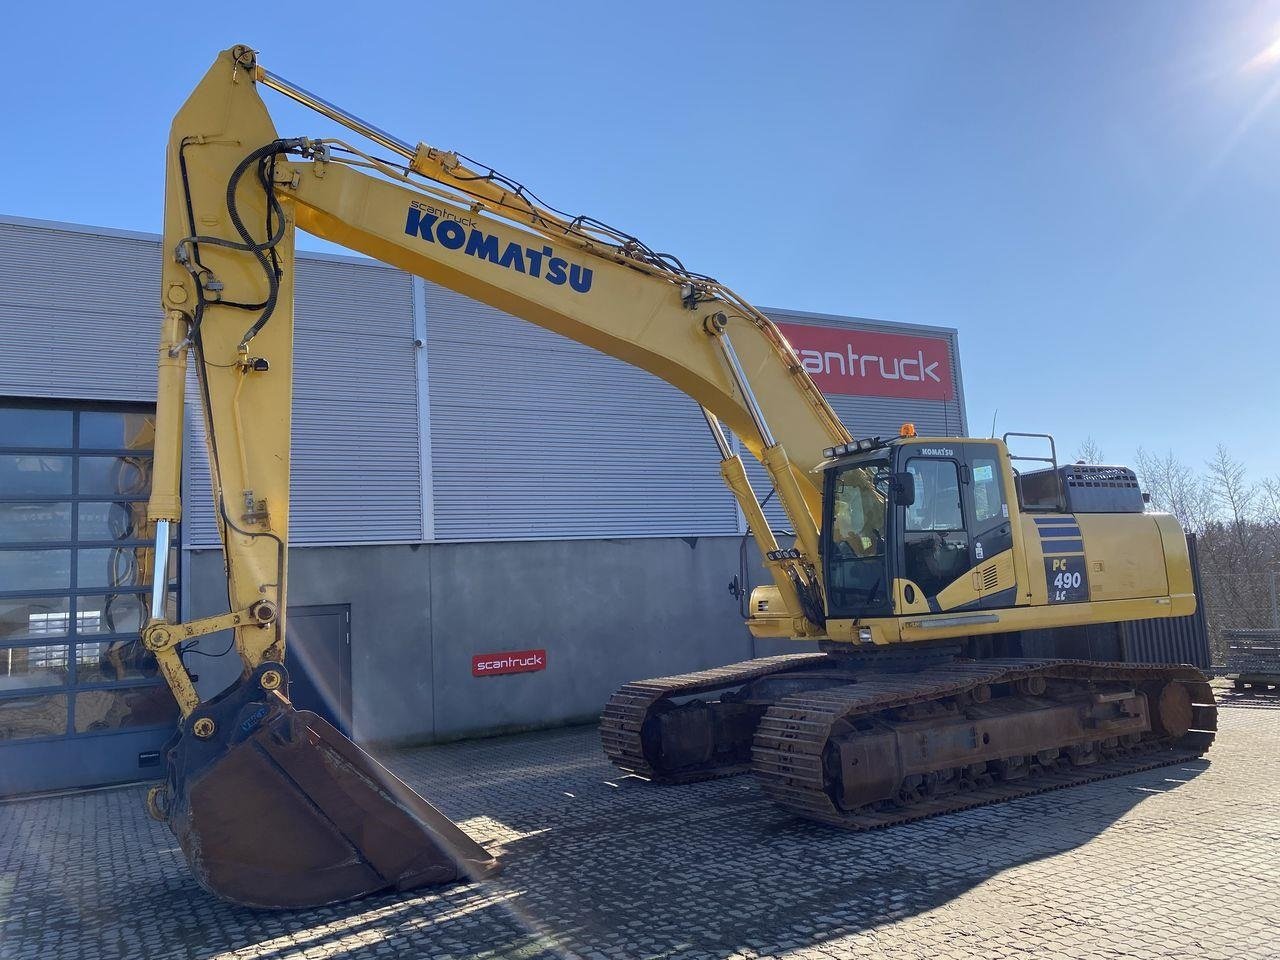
<point x="859" y="518"/>
<point x="857" y="563"/>
<point x="937" y="505"/>
<point x="935" y="543"/>
<point x="988" y="501"/>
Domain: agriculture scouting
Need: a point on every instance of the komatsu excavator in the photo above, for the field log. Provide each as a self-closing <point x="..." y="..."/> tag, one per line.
<point x="926" y="569"/>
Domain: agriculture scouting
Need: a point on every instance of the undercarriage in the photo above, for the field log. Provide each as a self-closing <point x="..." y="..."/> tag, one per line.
<point x="868" y="741"/>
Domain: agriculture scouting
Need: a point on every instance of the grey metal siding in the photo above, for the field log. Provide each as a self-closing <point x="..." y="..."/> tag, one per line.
<point x="494" y="429"/>
<point x="356" y="471"/>
<point x="80" y="318"/>
<point x="79" y="314"/>
<point x="883" y="416"/>
<point x="534" y="436"/>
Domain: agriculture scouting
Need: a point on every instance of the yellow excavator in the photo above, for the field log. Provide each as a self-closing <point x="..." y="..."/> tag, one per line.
<point x="944" y="587"/>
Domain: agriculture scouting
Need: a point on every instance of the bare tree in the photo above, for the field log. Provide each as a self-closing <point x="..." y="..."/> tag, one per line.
<point x="1089" y="452"/>
<point x="1237" y="524"/>
<point x="1269" y="502"/>
<point x="1233" y="494"/>
<point x="1175" y="488"/>
<point x="1268" y="521"/>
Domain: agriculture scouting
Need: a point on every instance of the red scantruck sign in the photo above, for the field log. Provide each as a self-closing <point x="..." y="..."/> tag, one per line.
<point x="858" y="363"/>
<point x="512" y="661"/>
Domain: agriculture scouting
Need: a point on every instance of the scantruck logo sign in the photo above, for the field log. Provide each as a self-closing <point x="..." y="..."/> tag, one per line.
<point x="863" y="364"/>
<point x="512" y="661"/>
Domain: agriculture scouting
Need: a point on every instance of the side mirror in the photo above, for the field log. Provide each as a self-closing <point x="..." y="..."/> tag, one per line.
<point x="902" y="488"/>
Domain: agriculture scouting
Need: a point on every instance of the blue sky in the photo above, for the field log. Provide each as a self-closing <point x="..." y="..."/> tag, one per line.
<point x="1087" y="191"/>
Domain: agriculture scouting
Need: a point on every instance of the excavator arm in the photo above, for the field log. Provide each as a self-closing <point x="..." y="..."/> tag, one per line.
<point x="274" y="807"/>
<point x="247" y="772"/>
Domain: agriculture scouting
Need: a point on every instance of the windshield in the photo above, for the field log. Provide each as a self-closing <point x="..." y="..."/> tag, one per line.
<point x="857" y="573"/>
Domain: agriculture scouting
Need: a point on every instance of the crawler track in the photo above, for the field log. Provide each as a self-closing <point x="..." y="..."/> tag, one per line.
<point x="792" y="739"/>
<point x="622" y="723"/>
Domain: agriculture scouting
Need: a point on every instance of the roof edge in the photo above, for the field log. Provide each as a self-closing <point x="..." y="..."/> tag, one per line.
<point x="888" y="326"/>
<point x="115" y="233"/>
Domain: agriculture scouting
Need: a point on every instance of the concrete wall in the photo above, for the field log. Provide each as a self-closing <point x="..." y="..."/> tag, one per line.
<point x="606" y="611"/>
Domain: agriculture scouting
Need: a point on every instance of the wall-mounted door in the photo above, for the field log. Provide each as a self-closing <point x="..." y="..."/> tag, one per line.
<point x="318" y="658"/>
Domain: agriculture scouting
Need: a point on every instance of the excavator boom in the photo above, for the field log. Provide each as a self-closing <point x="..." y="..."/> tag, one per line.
<point x="911" y="557"/>
<point x="272" y="806"/>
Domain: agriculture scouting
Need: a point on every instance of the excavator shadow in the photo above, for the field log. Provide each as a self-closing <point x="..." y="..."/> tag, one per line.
<point x="717" y="866"/>
<point x="592" y="860"/>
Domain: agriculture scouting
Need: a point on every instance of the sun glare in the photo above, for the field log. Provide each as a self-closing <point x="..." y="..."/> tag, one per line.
<point x="1264" y="59"/>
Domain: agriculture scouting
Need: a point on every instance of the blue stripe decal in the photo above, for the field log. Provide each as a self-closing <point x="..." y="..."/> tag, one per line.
<point x="1050" y="521"/>
<point x="1062" y="546"/>
<point x="1047" y="532"/>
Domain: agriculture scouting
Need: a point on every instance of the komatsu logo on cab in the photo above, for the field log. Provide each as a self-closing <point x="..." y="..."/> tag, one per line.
<point x="435" y="225"/>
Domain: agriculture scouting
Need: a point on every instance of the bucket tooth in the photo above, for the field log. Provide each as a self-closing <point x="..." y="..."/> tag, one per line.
<point x="278" y="809"/>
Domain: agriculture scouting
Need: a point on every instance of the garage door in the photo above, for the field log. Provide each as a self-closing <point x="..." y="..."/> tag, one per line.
<point x="80" y="700"/>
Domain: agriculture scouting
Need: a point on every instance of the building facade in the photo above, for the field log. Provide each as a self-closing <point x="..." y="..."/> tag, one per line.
<point x="492" y="527"/>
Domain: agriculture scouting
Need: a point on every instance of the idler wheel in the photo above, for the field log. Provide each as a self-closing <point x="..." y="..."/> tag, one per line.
<point x="1171" y="710"/>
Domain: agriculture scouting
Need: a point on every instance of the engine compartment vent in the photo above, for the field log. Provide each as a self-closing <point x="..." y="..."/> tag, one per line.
<point x="990" y="577"/>
<point x="1093" y="488"/>
<point x="1083" y="488"/>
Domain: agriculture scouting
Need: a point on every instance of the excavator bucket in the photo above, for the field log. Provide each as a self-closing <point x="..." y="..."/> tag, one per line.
<point x="274" y="807"/>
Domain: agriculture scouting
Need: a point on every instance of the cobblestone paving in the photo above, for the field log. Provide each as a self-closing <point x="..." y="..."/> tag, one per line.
<point x="1178" y="862"/>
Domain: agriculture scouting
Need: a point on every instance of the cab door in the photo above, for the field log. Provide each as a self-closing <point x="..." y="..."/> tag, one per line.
<point x="990" y="529"/>
<point x="936" y="548"/>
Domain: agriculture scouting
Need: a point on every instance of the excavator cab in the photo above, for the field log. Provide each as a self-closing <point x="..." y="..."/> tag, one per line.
<point x="909" y="519"/>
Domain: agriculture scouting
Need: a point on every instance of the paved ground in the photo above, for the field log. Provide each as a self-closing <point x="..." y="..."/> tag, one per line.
<point x="1178" y="862"/>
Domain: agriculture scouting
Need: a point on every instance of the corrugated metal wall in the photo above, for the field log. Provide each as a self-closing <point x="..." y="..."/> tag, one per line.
<point x="356" y="473"/>
<point x="534" y="436"/>
<point x="79" y="314"/>
<point x="531" y="436"/>
<point x="79" y="318"/>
